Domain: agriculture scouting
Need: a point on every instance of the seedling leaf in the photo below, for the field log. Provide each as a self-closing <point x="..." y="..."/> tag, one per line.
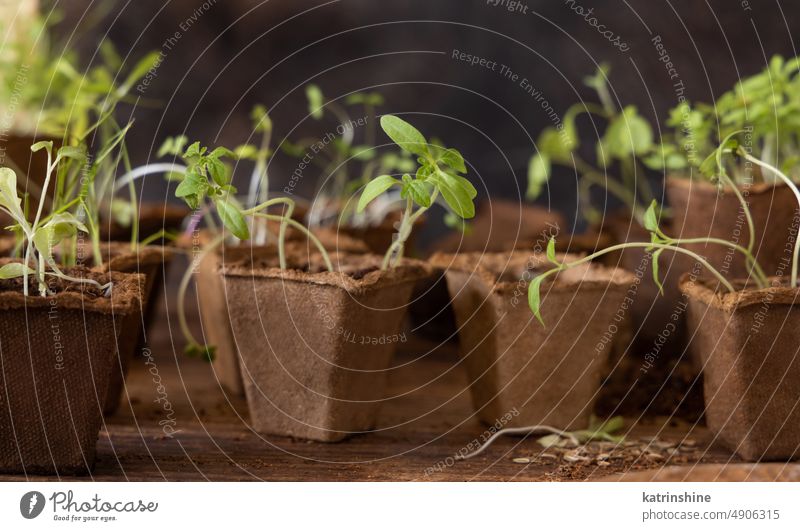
<point x="538" y="174"/>
<point x="651" y="218"/>
<point x="375" y="188"/>
<point x="232" y="217"/>
<point x="14" y="270"/>
<point x="534" y="298"/>
<point x="551" y="251"/>
<point x="656" y="279"/>
<point x="405" y="135"/>
<point x="315" y="101"/>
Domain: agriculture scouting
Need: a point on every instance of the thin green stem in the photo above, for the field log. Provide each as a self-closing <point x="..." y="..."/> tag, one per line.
<point x="643" y="245"/>
<point x="184" y="285"/>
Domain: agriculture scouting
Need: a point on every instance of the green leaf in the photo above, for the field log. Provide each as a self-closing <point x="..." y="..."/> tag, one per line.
<point x="191" y="189"/>
<point x="194" y="150"/>
<point x="538" y="175"/>
<point x="14" y="270"/>
<point x="557" y="146"/>
<point x="139" y="70"/>
<point x="232" y="217"/>
<point x="454" y="159"/>
<point x="172" y="146"/>
<point x="373" y="189"/>
<point x="651" y="218"/>
<point x="315" y="101"/>
<point x="370" y="98"/>
<point x="457" y="192"/>
<point x="8" y="194"/>
<point x="656" y="278"/>
<point x="43" y="144"/>
<point x="261" y="120"/>
<point x="405" y="135"/>
<point x="628" y="134"/>
<point x="246" y="152"/>
<point x="551" y="251"/>
<point x="72" y="152"/>
<point x="363" y="152"/>
<point x="534" y="297"/>
<point x="420" y="191"/>
<point x="218" y="171"/>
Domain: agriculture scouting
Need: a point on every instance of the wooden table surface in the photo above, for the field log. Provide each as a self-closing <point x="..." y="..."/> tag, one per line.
<point x="419" y="432"/>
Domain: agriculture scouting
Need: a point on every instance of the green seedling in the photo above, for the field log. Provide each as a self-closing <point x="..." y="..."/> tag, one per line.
<point x="204" y="184"/>
<point x="627" y="139"/>
<point x="764" y="105"/>
<point x="439" y="176"/>
<point x="349" y="165"/>
<point x="41" y="236"/>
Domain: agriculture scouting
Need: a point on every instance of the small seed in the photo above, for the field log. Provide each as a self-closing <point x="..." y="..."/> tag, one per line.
<point x="548" y="456"/>
<point x="603" y="457"/>
<point x="603" y="463"/>
<point x="652" y="455"/>
<point x="522" y="460"/>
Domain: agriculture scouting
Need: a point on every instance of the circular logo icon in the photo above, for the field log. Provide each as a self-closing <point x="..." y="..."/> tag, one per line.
<point x="31" y="504"/>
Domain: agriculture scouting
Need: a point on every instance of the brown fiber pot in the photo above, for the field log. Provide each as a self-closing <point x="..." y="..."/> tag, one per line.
<point x="699" y="209"/>
<point x="748" y="343"/>
<point x="151" y="261"/>
<point x="213" y="301"/>
<point x="57" y="353"/>
<point x="547" y="375"/>
<point x="316" y="346"/>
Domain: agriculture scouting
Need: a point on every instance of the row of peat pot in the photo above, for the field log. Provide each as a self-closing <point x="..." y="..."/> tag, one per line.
<point x="312" y="349"/>
<point x="293" y="350"/>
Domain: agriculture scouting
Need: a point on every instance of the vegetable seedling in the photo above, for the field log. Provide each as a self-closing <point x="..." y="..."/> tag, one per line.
<point x="349" y="165"/>
<point x="627" y="139"/>
<point x="205" y="185"/>
<point x="439" y="176"/>
<point x="659" y="243"/>
<point x="40" y="236"/>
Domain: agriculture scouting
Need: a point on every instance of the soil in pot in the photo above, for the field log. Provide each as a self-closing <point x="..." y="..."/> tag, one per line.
<point x="700" y="209"/>
<point x="316" y="346"/>
<point x="57" y="353"/>
<point x="748" y="343"/>
<point x="651" y="371"/>
<point x="541" y="375"/>
<point x="213" y="301"/>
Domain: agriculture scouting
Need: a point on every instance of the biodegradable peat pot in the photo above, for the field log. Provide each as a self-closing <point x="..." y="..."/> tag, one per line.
<point x="57" y="353"/>
<point x="499" y="225"/>
<point x="549" y="375"/>
<point x="700" y="209"/>
<point x="213" y="301"/>
<point x="316" y="346"/>
<point x="748" y="343"/>
<point x="152" y="261"/>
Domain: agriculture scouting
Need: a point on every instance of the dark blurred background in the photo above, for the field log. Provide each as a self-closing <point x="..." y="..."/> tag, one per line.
<point x="232" y="54"/>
